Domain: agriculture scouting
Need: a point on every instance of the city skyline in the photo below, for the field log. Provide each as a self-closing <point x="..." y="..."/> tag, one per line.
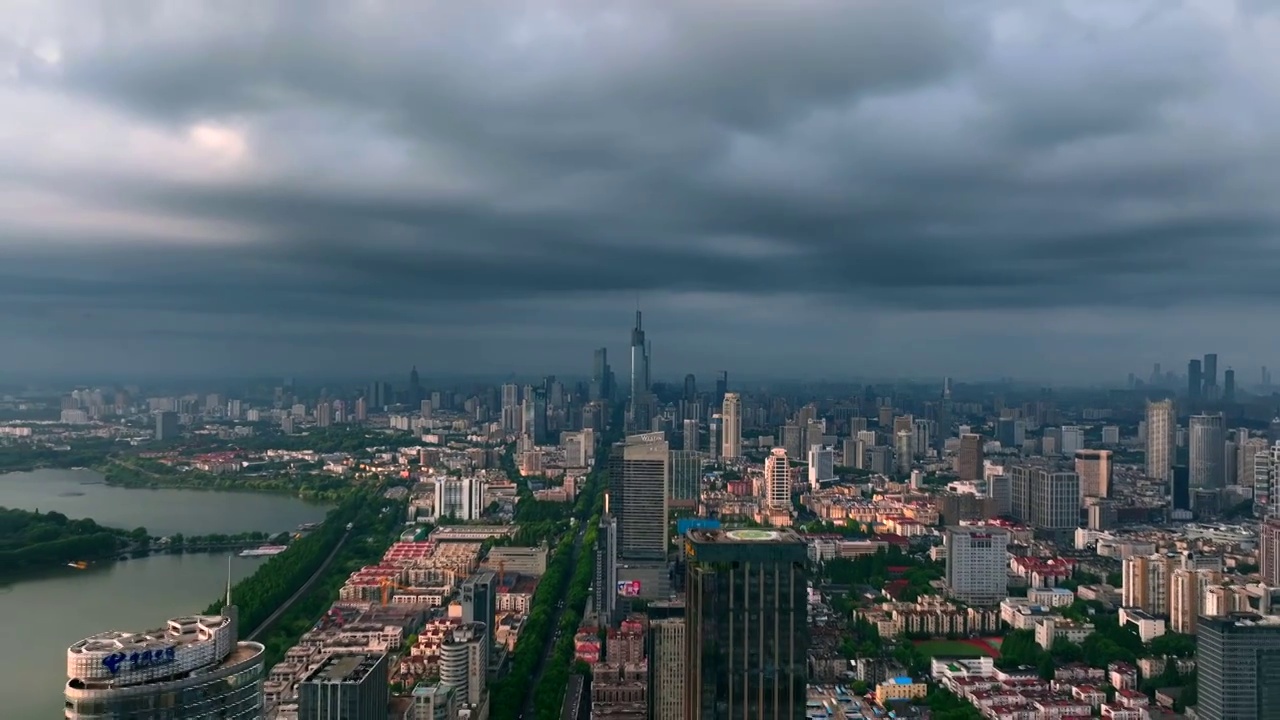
<point x="331" y="204"/>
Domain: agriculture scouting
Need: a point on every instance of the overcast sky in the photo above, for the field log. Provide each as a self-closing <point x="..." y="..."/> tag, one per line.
<point x="1058" y="189"/>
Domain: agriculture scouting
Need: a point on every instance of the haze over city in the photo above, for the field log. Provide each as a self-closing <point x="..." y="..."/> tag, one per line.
<point x="1064" y="191"/>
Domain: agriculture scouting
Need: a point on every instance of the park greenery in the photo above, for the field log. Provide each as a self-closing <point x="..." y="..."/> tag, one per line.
<point x="30" y="456"/>
<point x="144" y="473"/>
<point x="335" y="439"/>
<point x="1109" y="642"/>
<point x="886" y="565"/>
<point x="555" y="680"/>
<point x="213" y="541"/>
<point x="32" y="540"/>
<point x="372" y="533"/>
<point x="568" y="577"/>
<point x="260" y="594"/>
<point x="946" y="705"/>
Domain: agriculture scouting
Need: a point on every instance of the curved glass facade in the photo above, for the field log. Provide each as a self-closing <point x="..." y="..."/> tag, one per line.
<point x="232" y="691"/>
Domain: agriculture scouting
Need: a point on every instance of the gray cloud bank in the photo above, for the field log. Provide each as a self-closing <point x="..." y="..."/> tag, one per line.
<point x="1049" y="189"/>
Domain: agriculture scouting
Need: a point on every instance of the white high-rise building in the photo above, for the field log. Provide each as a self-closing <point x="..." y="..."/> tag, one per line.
<point x="1161" y="433"/>
<point x="777" y="479"/>
<point x="1208" y="443"/>
<point x="1265" y="471"/>
<point x="1110" y="435"/>
<point x="977" y="563"/>
<point x="731" y="425"/>
<point x="458" y="498"/>
<point x="822" y="465"/>
<point x="511" y="416"/>
<point x="1072" y="439"/>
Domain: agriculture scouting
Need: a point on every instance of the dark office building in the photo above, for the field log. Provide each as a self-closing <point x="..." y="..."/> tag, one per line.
<point x="1229" y="385"/>
<point x="1180" y="492"/>
<point x="605" y="596"/>
<point x="639" y="473"/>
<point x="722" y="387"/>
<point x="1194" y="380"/>
<point x="167" y="425"/>
<point x="1210" y="377"/>
<point x="1004" y="432"/>
<point x="480" y="599"/>
<point x="601" y="375"/>
<point x="686" y="478"/>
<point x="1238" y="667"/>
<point x="346" y="687"/>
<point x="747" y="625"/>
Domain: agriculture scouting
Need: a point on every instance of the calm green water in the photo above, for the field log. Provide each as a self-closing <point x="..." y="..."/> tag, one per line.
<point x="81" y="494"/>
<point x="40" y="617"/>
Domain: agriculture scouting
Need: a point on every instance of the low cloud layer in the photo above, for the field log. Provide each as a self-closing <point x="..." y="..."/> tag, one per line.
<point x="1054" y="190"/>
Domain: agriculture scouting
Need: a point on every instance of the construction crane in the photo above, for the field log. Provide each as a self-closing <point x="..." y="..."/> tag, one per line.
<point x="387" y="585"/>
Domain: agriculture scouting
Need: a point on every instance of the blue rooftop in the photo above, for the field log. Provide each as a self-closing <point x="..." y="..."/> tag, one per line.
<point x="902" y="681"/>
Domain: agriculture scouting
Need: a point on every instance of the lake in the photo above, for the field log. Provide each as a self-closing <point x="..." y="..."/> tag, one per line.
<point x="81" y="494"/>
<point x="46" y="614"/>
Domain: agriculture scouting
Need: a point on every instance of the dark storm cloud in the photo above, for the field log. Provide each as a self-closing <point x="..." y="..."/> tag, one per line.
<point x="477" y="166"/>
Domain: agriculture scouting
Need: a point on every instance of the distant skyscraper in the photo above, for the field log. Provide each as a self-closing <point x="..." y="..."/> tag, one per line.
<point x="535" y="417"/>
<point x="746" y="589"/>
<point x="686" y="478"/>
<point x="1180" y="488"/>
<point x="362" y="409"/>
<point x="606" y="575"/>
<point x="1207" y="440"/>
<point x="324" y="414"/>
<point x="512" y="418"/>
<point x="1210" y="375"/>
<point x="714" y="436"/>
<point x="1072" y="439"/>
<point x="379" y="395"/>
<point x="1055" y="500"/>
<point x="600" y="389"/>
<point x="690" y="387"/>
<point x="1195" y="380"/>
<point x="1043" y="498"/>
<point x="977" y="564"/>
<point x="1161" y="438"/>
<point x="1004" y="432"/>
<point x="903" y="444"/>
<point x="1238" y="667"/>
<point x="1094" y="469"/>
<point x="822" y="465"/>
<point x="639" y="472"/>
<point x="689" y="433"/>
<point x="722" y="387"/>
<point x="731" y="418"/>
<point x="777" y="480"/>
<point x="415" y="387"/>
<point x="1229" y="385"/>
<point x="969" y="457"/>
<point x="167" y="425"/>
<point x="641" y="414"/>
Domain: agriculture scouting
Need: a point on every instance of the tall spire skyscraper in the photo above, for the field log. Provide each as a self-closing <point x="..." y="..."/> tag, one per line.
<point x="640" y="412"/>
